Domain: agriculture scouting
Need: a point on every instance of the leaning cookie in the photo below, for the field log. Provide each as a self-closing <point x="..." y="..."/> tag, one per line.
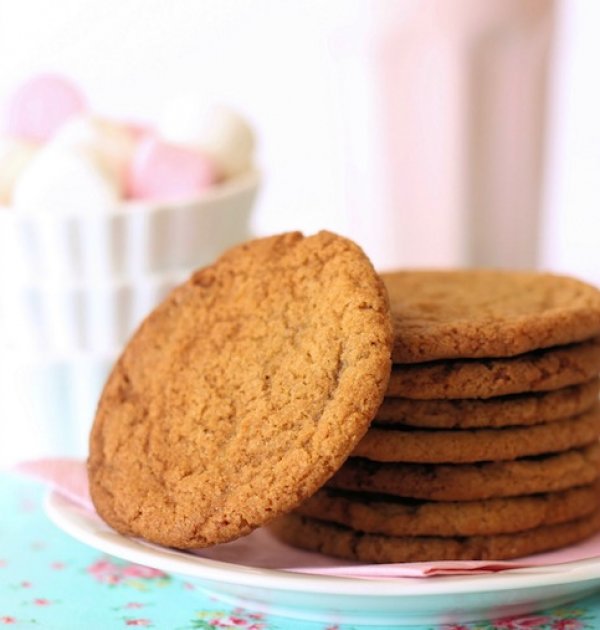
<point x="343" y="542"/>
<point x="243" y="392"/>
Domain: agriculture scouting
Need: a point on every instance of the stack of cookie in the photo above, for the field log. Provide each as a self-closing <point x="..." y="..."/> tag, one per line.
<point x="486" y="445"/>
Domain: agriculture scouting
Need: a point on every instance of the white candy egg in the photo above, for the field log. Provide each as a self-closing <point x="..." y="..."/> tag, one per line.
<point x="14" y="157"/>
<point x="111" y="142"/>
<point x="66" y="180"/>
<point x="217" y="131"/>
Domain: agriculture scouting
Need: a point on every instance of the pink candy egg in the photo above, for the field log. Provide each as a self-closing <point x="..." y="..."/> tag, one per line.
<point x="40" y="106"/>
<point x="139" y="131"/>
<point x="165" y="172"/>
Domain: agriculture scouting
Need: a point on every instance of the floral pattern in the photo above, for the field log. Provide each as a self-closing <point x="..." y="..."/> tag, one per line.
<point x="236" y="618"/>
<point x="557" y="619"/>
<point x="114" y="572"/>
<point x="48" y="580"/>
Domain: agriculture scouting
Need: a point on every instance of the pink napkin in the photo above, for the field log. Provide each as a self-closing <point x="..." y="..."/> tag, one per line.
<point x="261" y="550"/>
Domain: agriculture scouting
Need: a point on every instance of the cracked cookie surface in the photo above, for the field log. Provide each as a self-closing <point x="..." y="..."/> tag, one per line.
<point x="536" y="371"/>
<point x="343" y="542"/>
<point x="458" y="446"/>
<point x="381" y="514"/>
<point x="487" y="313"/>
<point x="243" y="392"/>
<point x="472" y="482"/>
<point x="503" y="411"/>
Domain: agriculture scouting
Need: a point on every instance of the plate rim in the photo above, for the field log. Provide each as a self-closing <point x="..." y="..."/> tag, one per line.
<point x="68" y="517"/>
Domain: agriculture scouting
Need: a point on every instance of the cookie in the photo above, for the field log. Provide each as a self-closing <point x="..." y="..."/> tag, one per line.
<point x="461" y="446"/>
<point x="243" y="392"/>
<point x="512" y="410"/>
<point x="541" y="370"/>
<point x="342" y="542"/>
<point x="378" y="514"/>
<point x="487" y="313"/>
<point x="472" y="482"/>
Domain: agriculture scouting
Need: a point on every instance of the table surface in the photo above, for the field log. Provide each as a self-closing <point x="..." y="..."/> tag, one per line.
<point x="50" y="581"/>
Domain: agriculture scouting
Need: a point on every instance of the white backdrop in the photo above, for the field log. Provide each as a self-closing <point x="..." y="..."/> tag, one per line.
<point x="306" y="75"/>
<point x="571" y="236"/>
<point x="366" y="119"/>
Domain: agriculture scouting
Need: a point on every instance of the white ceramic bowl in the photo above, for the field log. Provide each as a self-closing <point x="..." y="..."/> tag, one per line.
<point x="136" y="239"/>
<point x="50" y="320"/>
<point x="72" y="290"/>
<point x="47" y="404"/>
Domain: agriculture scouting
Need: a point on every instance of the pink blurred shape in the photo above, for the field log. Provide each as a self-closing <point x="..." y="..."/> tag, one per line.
<point x="67" y="476"/>
<point x="41" y="105"/>
<point x="165" y="172"/>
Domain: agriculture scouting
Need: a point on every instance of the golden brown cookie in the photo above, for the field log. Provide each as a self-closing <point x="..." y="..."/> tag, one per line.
<point x="461" y="446"/>
<point x="242" y="392"/>
<point x="512" y="410"/>
<point x="487" y="313"/>
<point x="541" y="370"/>
<point x="381" y="514"/>
<point x="342" y="542"/>
<point x="472" y="482"/>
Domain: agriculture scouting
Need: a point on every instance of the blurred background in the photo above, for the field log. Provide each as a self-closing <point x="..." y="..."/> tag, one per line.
<point x="433" y="132"/>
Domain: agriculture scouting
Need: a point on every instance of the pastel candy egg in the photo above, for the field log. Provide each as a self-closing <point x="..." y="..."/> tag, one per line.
<point x="216" y="130"/>
<point x="138" y="131"/>
<point x="112" y="143"/>
<point x="164" y="172"/>
<point x="40" y="106"/>
<point x="65" y="180"/>
<point x="14" y="157"/>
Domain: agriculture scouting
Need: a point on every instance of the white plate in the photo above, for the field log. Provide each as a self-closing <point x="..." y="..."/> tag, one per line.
<point x="397" y="602"/>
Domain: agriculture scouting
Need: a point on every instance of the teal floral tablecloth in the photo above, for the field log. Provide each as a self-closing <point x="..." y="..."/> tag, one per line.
<point x="50" y="581"/>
